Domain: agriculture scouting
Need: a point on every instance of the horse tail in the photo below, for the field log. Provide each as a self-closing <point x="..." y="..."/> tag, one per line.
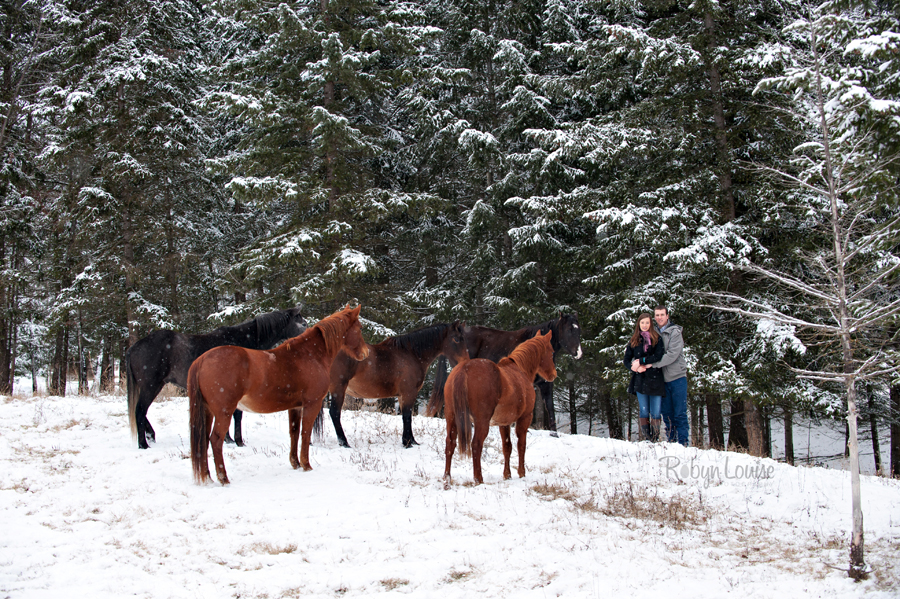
<point x="199" y="420"/>
<point x="318" y="430"/>
<point x="436" y="402"/>
<point x="133" y="394"/>
<point x="459" y="399"/>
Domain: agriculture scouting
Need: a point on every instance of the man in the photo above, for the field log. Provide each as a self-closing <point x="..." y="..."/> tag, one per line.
<point x="674" y="404"/>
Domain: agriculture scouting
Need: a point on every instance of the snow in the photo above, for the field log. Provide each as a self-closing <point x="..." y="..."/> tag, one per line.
<point x="87" y="514"/>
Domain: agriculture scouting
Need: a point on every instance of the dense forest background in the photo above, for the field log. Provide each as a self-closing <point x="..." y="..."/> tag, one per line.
<point x="186" y="164"/>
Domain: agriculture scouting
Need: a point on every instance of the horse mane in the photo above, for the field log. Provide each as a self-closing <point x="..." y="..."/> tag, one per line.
<point x="527" y="354"/>
<point x="418" y="341"/>
<point x="544" y="328"/>
<point x="269" y="326"/>
<point x="333" y="328"/>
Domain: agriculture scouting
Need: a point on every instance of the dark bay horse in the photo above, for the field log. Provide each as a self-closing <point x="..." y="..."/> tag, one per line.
<point x="481" y="393"/>
<point x="293" y="376"/>
<point x="494" y="344"/>
<point x="395" y="367"/>
<point x="164" y="356"/>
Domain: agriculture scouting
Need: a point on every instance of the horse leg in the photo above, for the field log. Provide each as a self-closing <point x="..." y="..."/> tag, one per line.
<point x="204" y="465"/>
<point x="507" y="451"/>
<point x="406" y="403"/>
<point x="146" y="395"/>
<point x="478" y="436"/>
<point x="546" y="389"/>
<point x="294" y="428"/>
<point x="449" y="448"/>
<point x="522" y="425"/>
<point x="216" y="438"/>
<point x="238" y="437"/>
<point x="308" y="418"/>
<point x="334" y="410"/>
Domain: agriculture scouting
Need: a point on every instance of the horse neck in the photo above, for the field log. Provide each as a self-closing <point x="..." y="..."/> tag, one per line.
<point x="330" y="331"/>
<point x="527" y="357"/>
<point x="242" y="335"/>
<point x="543" y="328"/>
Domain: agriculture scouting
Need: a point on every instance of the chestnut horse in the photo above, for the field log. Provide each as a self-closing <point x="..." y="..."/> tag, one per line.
<point x="395" y="367"/>
<point x="293" y="376"/>
<point x="493" y="344"/>
<point x="481" y="393"/>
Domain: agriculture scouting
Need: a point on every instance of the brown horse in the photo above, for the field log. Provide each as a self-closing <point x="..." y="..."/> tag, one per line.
<point x="293" y="376"/>
<point x="483" y="393"/>
<point x="395" y="367"/>
<point x="493" y="344"/>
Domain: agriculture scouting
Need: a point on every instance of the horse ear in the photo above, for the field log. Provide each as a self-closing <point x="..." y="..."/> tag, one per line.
<point x="355" y="311"/>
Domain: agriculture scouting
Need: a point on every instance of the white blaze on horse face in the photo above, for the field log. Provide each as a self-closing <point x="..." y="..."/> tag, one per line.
<point x="578" y="354"/>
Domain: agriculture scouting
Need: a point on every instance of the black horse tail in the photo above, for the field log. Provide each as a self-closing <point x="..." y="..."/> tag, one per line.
<point x="436" y="401"/>
<point x="318" y="431"/>
<point x="459" y="400"/>
<point x="199" y="423"/>
<point x="133" y="394"/>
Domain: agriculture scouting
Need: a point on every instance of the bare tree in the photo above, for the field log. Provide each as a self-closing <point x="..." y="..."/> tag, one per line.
<point x="844" y="297"/>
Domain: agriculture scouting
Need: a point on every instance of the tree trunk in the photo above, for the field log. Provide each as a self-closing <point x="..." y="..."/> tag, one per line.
<point x="753" y="421"/>
<point x="873" y="424"/>
<point x="130" y="284"/>
<point x="737" y="433"/>
<point x="695" y="425"/>
<point x="788" y="434"/>
<point x="895" y="431"/>
<point x="573" y="412"/>
<point x="106" y="383"/>
<point x="714" y="419"/>
<point x="60" y="363"/>
<point x="612" y="416"/>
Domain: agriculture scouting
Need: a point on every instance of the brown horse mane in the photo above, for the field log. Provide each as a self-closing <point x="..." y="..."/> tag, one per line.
<point x="333" y="328"/>
<point x="527" y="354"/>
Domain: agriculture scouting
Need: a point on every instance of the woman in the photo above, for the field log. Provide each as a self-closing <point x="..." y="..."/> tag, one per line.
<point x="647" y="383"/>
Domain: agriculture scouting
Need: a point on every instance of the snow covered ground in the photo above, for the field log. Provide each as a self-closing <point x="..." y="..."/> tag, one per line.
<point x="86" y="514"/>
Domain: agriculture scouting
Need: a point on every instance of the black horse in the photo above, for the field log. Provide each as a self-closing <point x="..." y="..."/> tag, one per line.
<point x="165" y="356"/>
<point x="396" y="367"/>
<point x="494" y="344"/>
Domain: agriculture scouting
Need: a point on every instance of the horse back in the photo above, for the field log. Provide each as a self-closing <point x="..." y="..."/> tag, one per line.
<point x="491" y="344"/>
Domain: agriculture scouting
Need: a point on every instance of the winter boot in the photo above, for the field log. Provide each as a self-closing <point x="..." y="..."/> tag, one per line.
<point x="645" y="430"/>
<point x="654" y="430"/>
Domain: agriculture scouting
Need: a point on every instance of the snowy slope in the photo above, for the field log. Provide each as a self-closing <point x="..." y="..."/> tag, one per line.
<point x="87" y="514"/>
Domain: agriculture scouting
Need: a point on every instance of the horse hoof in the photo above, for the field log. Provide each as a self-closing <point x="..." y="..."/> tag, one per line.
<point x="409" y="443"/>
<point x="343" y="443"/>
<point x="554" y="434"/>
<point x="447" y="483"/>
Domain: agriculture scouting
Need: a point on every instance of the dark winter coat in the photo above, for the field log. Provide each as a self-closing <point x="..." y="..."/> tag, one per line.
<point x="650" y="382"/>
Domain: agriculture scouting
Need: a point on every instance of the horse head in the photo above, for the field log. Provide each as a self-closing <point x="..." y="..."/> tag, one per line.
<point x="546" y="366"/>
<point x="296" y="323"/>
<point x="569" y="334"/>
<point x="454" y="346"/>
<point x="353" y="343"/>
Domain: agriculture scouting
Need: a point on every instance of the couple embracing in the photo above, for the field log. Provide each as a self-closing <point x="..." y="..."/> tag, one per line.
<point x="655" y="356"/>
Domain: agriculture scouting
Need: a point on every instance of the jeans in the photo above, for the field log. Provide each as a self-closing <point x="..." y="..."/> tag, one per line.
<point x="674" y="412"/>
<point x="650" y="405"/>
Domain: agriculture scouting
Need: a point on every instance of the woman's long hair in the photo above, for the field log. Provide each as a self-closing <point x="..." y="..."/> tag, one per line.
<point x="636" y="337"/>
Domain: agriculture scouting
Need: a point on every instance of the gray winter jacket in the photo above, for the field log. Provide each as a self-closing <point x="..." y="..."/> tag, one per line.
<point x="673" y="364"/>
